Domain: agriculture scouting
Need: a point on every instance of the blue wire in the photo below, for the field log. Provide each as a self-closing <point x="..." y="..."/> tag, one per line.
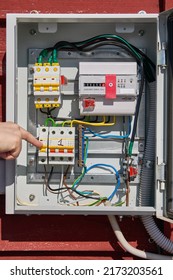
<point x="112" y="135"/>
<point x="99" y="165"/>
<point x="116" y="172"/>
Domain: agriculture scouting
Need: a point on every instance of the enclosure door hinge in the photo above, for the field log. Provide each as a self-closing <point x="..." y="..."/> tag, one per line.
<point x="161" y="174"/>
<point x="161" y="56"/>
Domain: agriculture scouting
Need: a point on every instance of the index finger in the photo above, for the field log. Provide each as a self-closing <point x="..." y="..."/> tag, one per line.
<point x="30" y="138"/>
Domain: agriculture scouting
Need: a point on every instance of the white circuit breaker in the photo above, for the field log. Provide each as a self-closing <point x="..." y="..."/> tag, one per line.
<point x="46" y="85"/>
<point x="58" y="145"/>
<point x="93" y="91"/>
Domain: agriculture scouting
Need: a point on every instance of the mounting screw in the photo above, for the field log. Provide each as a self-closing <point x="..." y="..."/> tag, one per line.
<point x="141" y="32"/>
<point x="31" y="70"/>
<point x="31" y="197"/>
<point x="33" y="32"/>
<point x="141" y="146"/>
<point x="31" y="161"/>
<point x="149" y="164"/>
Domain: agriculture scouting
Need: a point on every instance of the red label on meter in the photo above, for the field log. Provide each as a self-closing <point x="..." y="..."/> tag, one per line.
<point x="110" y="86"/>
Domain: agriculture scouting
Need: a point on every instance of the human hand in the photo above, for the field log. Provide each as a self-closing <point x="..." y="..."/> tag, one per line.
<point x="11" y="136"/>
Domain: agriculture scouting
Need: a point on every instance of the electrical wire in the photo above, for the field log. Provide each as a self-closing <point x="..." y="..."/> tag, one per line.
<point x="58" y="190"/>
<point x="68" y="189"/>
<point x="24" y="203"/>
<point x="136" y="112"/>
<point x="99" y="41"/>
<point x="86" y="194"/>
<point x="48" y="113"/>
<point x="101" y="165"/>
<point x="61" y="188"/>
<point x="112" y="136"/>
<point x="49" y="120"/>
<point x="103" y="123"/>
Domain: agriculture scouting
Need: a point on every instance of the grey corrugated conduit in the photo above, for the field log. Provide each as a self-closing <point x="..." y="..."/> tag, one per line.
<point x="147" y="178"/>
<point x="145" y="197"/>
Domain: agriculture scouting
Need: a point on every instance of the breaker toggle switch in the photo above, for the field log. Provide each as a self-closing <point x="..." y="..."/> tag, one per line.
<point x="89" y="104"/>
<point x="110" y="86"/>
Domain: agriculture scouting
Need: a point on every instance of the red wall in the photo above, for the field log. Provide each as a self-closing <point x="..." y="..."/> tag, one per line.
<point x="68" y="237"/>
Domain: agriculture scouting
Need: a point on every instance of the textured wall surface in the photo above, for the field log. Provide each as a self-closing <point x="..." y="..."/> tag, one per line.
<point x="68" y="237"/>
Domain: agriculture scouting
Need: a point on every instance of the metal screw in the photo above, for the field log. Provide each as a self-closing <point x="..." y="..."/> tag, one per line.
<point x="31" y="70"/>
<point x="31" y="197"/>
<point x="141" y="33"/>
<point x="33" y="32"/>
<point x="149" y="164"/>
<point x="141" y="146"/>
<point x="31" y="161"/>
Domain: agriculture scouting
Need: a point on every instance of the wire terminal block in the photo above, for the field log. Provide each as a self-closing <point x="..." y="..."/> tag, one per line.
<point x="81" y="145"/>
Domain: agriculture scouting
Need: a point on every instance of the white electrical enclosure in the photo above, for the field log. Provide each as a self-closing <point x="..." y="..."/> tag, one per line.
<point x="93" y="91"/>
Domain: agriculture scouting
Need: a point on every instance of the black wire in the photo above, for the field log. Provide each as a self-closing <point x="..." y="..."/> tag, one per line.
<point x="147" y="63"/>
<point x="94" y="120"/>
<point x="101" y="39"/>
<point x="48" y="113"/>
<point x="97" y="41"/>
<point x="57" y="191"/>
<point x="108" y="119"/>
<point x="59" y="119"/>
<point x="50" y="174"/>
<point x="121" y="43"/>
<point x="138" y="105"/>
<point x="43" y="112"/>
<point x="52" y="109"/>
<point x="65" y="188"/>
<point x="60" y="45"/>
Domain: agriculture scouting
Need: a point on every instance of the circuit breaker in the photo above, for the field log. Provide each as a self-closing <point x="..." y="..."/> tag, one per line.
<point x="46" y="85"/>
<point x="94" y="92"/>
<point x="58" y="145"/>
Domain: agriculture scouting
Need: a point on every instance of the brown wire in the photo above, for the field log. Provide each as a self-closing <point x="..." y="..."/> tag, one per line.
<point x="68" y="189"/>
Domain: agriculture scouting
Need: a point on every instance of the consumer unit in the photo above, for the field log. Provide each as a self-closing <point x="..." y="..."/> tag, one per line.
<point x="97" y="91"/>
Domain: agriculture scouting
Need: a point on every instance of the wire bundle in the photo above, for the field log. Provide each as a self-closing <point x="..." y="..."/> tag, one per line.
<point x="99" y="41"/>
